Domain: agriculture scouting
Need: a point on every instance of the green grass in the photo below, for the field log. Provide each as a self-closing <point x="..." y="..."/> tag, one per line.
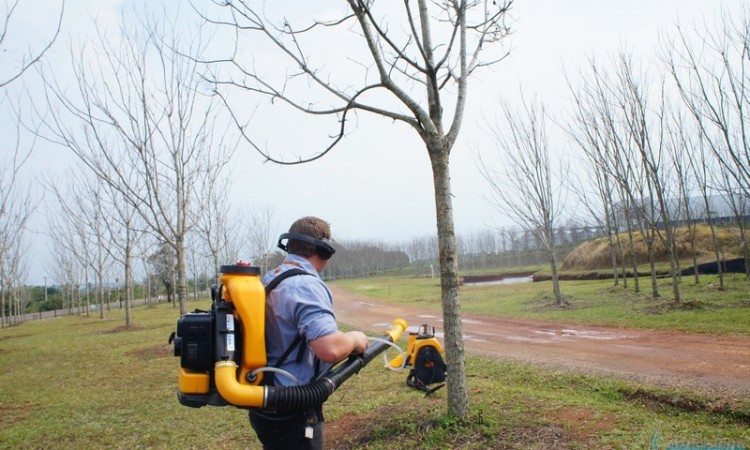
<point x="74" y="382"/>
<point x="79" y="382"/>
<point x="704" y="308"/>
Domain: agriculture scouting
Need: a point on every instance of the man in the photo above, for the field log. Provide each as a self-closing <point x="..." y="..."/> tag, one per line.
<point x="302" y="337"/>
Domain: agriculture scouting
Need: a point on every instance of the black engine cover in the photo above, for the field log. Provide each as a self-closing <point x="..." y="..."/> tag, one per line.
<point x="193" y="342"/>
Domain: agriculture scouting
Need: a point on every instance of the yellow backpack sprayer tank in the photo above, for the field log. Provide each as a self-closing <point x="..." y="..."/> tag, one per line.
<point x="223" y="351"/>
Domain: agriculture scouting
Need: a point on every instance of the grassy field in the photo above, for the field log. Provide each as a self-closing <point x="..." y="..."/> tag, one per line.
<point x="76" y="382"/>
<point x="704" y="308"/>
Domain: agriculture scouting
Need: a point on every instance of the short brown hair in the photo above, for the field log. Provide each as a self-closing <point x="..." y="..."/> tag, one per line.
<point x="309" y="226"/>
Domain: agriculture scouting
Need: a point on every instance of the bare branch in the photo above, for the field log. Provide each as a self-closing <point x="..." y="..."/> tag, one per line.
<point x="34" y="56"/>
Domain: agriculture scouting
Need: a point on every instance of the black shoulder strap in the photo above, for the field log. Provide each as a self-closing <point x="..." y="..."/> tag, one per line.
<point x="298" y="341"/>
<point x="283" y="276"/>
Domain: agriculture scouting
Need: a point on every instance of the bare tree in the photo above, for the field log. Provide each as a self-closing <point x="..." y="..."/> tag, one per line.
<point x="589" y="131"/>
<point x="422" y="249"/>
<point x="218" y="227"/>
<point x="260" y="237"/>
<point x="96" y="226"/>
<point x="71" y="226"/>
<point x="615" y="155"/>
<point x="13" y="275"/>
<point x="124" y="230"/>
<point x="145" y="248"/>
<point x="530" y="187"/>
<point x="711" y="70"/>
<point x="139" y="122"/>
<point x="364" y="258"/>
<point x="646" y="128"/>
<point x="420" y="48"/>
<point x="637" y="204"/>
<point x="737" y="204"/>
<point x="162" y="265"/>
<point x="193" y="257"/>
<point x="97" y="222"/>
<point x="700" y="164"/>
<point x="66" y="271"/>
<point x="681" y="150"/>
<point x="16" y="207"/>
<point x="478" y="248"/>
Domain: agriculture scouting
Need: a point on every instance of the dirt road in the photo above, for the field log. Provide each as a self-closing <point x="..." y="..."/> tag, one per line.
<point x="718" y="366"/>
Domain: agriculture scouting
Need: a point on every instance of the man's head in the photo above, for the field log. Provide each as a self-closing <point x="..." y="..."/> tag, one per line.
<point x="314" y="228"/>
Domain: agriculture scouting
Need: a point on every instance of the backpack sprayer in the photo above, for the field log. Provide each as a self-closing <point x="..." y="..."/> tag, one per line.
<point x="223" y="352"/>
<point x="423" y="354"/>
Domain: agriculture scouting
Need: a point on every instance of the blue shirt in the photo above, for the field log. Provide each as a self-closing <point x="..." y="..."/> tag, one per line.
<point x="299" y="305"/>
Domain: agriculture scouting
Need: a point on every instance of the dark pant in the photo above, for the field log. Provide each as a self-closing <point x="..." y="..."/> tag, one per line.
<point x="287" y="431"/>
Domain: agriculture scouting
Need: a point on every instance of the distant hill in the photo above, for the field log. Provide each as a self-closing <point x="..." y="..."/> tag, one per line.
<point x="594" y="254"/>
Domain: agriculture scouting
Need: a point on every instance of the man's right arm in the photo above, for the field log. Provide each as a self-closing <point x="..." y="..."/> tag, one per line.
<point x="334" y="347"/>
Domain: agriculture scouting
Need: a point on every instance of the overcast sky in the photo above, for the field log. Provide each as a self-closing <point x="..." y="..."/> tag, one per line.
<point x="377" y="183"/>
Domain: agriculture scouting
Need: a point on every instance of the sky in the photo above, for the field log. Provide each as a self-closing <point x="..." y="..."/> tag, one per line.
<point x="377" y="184"/>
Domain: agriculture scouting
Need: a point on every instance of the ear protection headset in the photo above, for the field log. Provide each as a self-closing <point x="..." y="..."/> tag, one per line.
<point x="322" y="248"/>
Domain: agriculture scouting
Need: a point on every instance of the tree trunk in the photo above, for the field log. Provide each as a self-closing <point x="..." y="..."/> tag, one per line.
<point x="694" y="250"/>
<point x="88" y="300"/>
<point x="691" y="232"/>
<point x="631" y="244"/>
<point x="555" y="280"/>
<point x="181" y="284"/>
<point x="100" y="280"/>
<point x="458" y="400"/>
<point x="552" y="256"/>
<point x="674" y="265"/>
<point x="3" y="318"/>
<point x="719" y="254"/>
<point x="611" y="236"/>
<point x="634" y="262"/>
<point x="652" y="266"/>
<point x="148" y="289"/>
<point x="2" y="305"/>
<point x="622" y="262"/>
<point x="745" y="249"/>
<point x="671" y="247"/>
<point x="194" y="271"/>
<point x="128" y="320"/>
<point x="128" y="315"/>
<point x="613" y="262"/>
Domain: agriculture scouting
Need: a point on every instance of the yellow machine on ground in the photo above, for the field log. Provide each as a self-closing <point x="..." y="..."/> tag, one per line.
<point x="424" y="356"/>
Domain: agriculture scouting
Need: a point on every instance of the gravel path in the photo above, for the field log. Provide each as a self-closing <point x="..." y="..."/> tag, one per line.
<point x="716" y="365"/>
